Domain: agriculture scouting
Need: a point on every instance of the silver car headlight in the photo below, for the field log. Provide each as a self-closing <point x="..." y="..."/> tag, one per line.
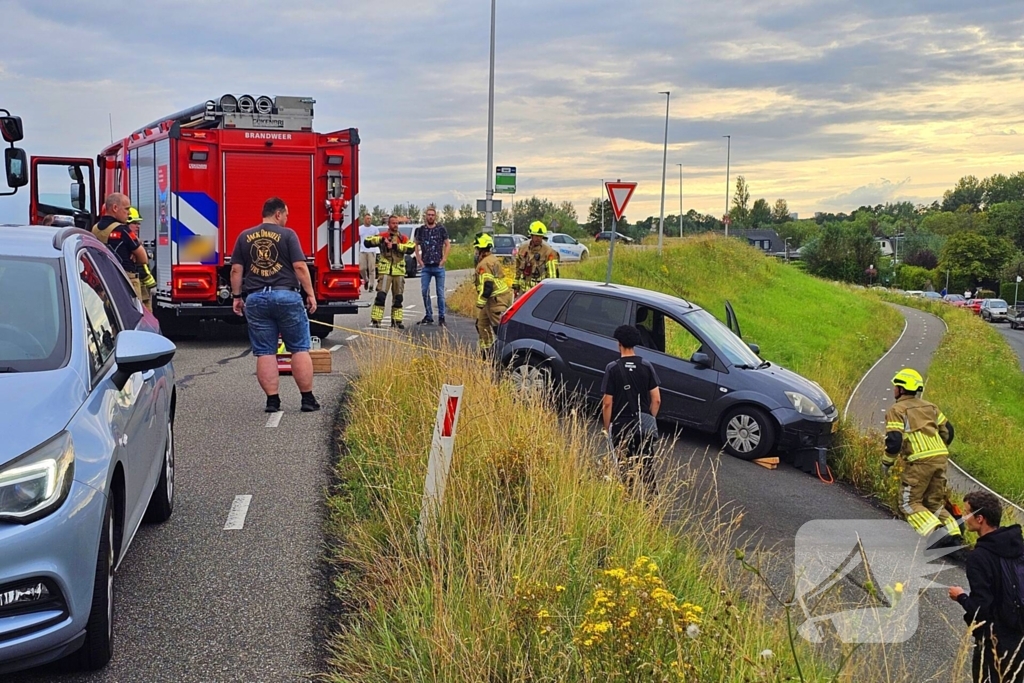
<point x="804" y="405"/>
<point x="37" y="483"/>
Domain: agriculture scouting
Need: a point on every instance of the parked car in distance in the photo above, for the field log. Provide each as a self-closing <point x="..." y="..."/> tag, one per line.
<point x="913" y="292"/>
<point x="956" y="300"/>
<point x="994" y="311"/>
<point x="568" y="248"/>
<point x="412" y="269"/>
<point x="1016" y="317"/>
<point x="974" y="305"/>
<point x="87" y="402"/>
<point x="506" y="247"/>
<point x="934" y="296"/>
<point x="559" y="333"/>
<point x="619" y="237"/>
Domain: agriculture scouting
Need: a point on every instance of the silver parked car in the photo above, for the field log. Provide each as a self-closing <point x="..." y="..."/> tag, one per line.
<point x="87" y="404"/>
<point x="994" y="310"/>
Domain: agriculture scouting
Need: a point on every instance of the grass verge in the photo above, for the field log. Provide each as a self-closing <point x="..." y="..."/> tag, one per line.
<point x="538" y="569"/>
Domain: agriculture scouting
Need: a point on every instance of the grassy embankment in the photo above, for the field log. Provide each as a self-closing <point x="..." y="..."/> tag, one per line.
<point x="539" y="568"/>
<point x="975" y="377"/>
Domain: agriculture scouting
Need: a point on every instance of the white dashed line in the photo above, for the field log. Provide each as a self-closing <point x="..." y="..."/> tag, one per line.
<point x="410" y="307"/>
<point x="354" y="336"/>
<point x="239" y="509"/>
<point x="274" y="419"/>
<point x="338" y="346"/>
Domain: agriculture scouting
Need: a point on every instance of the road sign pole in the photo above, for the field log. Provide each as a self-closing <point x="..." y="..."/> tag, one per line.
<point x="488" y="217"/>
<point x="611" y="251"/>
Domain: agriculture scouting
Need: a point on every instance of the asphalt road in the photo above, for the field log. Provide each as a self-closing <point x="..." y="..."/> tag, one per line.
<point x="1015" y="338"/>
<point x="196" y="602"/>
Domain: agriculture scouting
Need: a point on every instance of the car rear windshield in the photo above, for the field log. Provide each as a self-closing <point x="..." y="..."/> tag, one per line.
<point x="732" y="347"/>
<point x="503" y="241"/>
<point x="32" y="326"/>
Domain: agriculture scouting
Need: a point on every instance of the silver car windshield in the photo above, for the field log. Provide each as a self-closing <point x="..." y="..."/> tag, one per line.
<point x="997" y="303"/>
<point x="732" y="347"/>
<point x="32" y="326"/>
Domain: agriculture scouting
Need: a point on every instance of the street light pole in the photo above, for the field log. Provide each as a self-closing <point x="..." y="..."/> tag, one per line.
<point x="728" y="158"/>
<point x="488" y="213"/>
<point x="664" y="166"/>
<point x="680" y="199"/>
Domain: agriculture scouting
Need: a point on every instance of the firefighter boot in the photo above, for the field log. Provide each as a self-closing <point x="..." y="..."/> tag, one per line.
<point x="377" y="310"/>
<point x="397" y="313"/>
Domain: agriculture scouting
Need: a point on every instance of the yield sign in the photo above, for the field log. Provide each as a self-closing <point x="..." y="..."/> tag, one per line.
<point x="619" y="194"/>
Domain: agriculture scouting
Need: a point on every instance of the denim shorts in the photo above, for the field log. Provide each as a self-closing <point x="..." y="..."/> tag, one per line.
<point x="276" y="312"/>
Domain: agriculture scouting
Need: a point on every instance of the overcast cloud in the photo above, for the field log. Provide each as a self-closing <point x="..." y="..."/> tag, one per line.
<point x="830" y="104"/>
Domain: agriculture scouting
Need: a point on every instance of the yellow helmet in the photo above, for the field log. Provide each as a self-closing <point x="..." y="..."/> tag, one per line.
<point x="483" y="241"/>
<point x="538" y="228"/>
<point x="909" y="379"/>
<point x="133" y="215"/>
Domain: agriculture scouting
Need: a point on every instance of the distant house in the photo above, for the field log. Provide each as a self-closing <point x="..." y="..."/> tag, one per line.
<point x="886" y="245"/>
<point x="767" y="241"/>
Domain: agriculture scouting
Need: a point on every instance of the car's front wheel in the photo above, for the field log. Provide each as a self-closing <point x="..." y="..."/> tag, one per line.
<point x="584" y="255"/>
<point x="99" y="629"/>
<point x="161" y="505"/>
<point x="747" y="433"/>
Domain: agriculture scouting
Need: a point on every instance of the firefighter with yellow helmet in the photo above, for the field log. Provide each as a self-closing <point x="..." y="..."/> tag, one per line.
<point x="918" y="431"/>
<point x="493" y="296"/>
<point x="536" y="260"/>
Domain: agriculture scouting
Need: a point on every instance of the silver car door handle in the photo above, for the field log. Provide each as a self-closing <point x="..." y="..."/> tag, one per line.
<point x="148" y="375"/>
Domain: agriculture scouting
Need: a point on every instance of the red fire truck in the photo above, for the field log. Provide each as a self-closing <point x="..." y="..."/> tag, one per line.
<point x="199" y="177"/>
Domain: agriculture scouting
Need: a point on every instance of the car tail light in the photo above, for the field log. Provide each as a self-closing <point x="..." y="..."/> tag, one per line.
<point x="194" y="283"/>
<point x="340" y="283"/>
<point x="511" y="310"/>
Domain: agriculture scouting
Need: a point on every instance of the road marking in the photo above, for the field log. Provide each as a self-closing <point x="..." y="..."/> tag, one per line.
<point x="336" y="347"/>
<point x="354" y="336"/>
<point x="275" y="419"/>
<point x="239" y="509"/>
<point x="410" y="307"/>
<point x="846" y="410"/>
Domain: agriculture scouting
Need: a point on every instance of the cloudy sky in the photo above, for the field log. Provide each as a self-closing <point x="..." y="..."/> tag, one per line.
<point x="830" y="103"/>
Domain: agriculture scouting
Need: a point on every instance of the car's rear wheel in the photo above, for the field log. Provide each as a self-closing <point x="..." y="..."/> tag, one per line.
<point x="99" y="629"/>
<point x="161" y="505"/>
<point x="747" y="433"/>
<point x="531" y="379"/>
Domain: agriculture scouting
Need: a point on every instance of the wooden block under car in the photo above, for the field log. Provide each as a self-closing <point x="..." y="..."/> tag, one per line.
<point x="321" y="362"/>
<point x="767" y="463"/>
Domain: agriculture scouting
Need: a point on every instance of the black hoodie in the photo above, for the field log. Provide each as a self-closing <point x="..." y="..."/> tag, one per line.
<point x="985" y="602"/>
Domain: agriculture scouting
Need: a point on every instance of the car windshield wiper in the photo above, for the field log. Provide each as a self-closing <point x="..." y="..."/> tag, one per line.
<point x="765" y="364"/>
<point x="745" y="366"/>
<point x="7" y="368"/>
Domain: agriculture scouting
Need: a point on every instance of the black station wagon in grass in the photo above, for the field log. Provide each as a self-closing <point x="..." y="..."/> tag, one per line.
<point x="560" y="333"/>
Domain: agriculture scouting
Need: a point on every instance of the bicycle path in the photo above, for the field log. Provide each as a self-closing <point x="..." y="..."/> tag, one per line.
<point x="915" y="347"/>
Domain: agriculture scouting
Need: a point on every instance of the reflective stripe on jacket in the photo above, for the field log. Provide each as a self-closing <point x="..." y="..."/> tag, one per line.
<point x="534" y="264"/>
<point x="918" y="428"/>
<point x="489" y="270"/>
<point x="393" y="248"/>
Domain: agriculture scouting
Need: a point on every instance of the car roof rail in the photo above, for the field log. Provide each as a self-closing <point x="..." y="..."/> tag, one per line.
<point x="60" y="237"/>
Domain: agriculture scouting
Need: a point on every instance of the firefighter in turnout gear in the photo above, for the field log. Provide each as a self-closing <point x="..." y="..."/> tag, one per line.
<point x="493" y="296"/>
<point x="117" y="230"/>
<point x="536" y="260"/>
<point x="918" y="431"/>
<point x="390" y="272"/>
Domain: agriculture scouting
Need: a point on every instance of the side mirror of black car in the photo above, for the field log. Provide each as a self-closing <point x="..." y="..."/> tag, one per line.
<point x="755" y="348"/>
<point x="701" y="359"/>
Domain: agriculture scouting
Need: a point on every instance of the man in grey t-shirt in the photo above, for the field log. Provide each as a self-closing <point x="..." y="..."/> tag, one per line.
<point x="268" y="278"/>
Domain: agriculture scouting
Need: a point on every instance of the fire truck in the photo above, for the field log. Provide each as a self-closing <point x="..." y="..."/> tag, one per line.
<point x="200" y="176"/>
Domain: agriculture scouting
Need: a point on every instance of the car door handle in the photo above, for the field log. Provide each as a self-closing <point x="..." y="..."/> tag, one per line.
<point x="148" y="375"/>
<point x="560" y="337"/>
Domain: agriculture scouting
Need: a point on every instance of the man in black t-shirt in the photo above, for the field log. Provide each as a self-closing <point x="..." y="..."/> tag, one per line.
<point x="268" y="278"/>
<point x="631" y="402"/>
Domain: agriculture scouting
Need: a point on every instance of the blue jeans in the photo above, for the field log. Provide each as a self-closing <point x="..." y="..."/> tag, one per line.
<point x="436" y="272"/>
<point x="270" y="313"/>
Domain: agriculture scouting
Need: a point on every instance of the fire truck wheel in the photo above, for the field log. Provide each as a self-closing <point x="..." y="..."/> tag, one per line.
<point x="322" y="331"/>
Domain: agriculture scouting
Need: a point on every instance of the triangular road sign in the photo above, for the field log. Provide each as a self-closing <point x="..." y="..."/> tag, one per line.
<point x="619" y="194"/>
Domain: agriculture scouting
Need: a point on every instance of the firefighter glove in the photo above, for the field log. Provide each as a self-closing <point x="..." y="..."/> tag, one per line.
<point x="147" y="279"/>
<point x="887" y="464"/>
<point x="488" y="289"/>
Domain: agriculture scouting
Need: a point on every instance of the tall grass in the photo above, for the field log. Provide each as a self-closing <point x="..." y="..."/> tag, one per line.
<point x="538" y="568"/>
<point x="975" y="377"/>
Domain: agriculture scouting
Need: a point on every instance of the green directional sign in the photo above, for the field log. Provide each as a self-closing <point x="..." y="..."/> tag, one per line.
<point x="505" y="180"/>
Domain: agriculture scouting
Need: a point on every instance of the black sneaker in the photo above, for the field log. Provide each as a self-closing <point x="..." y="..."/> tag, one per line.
<point x="273" y="404"/>
<point x="441" y="322"/>
<point x="310" y="405"/>
<point x="427" y="321"/>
